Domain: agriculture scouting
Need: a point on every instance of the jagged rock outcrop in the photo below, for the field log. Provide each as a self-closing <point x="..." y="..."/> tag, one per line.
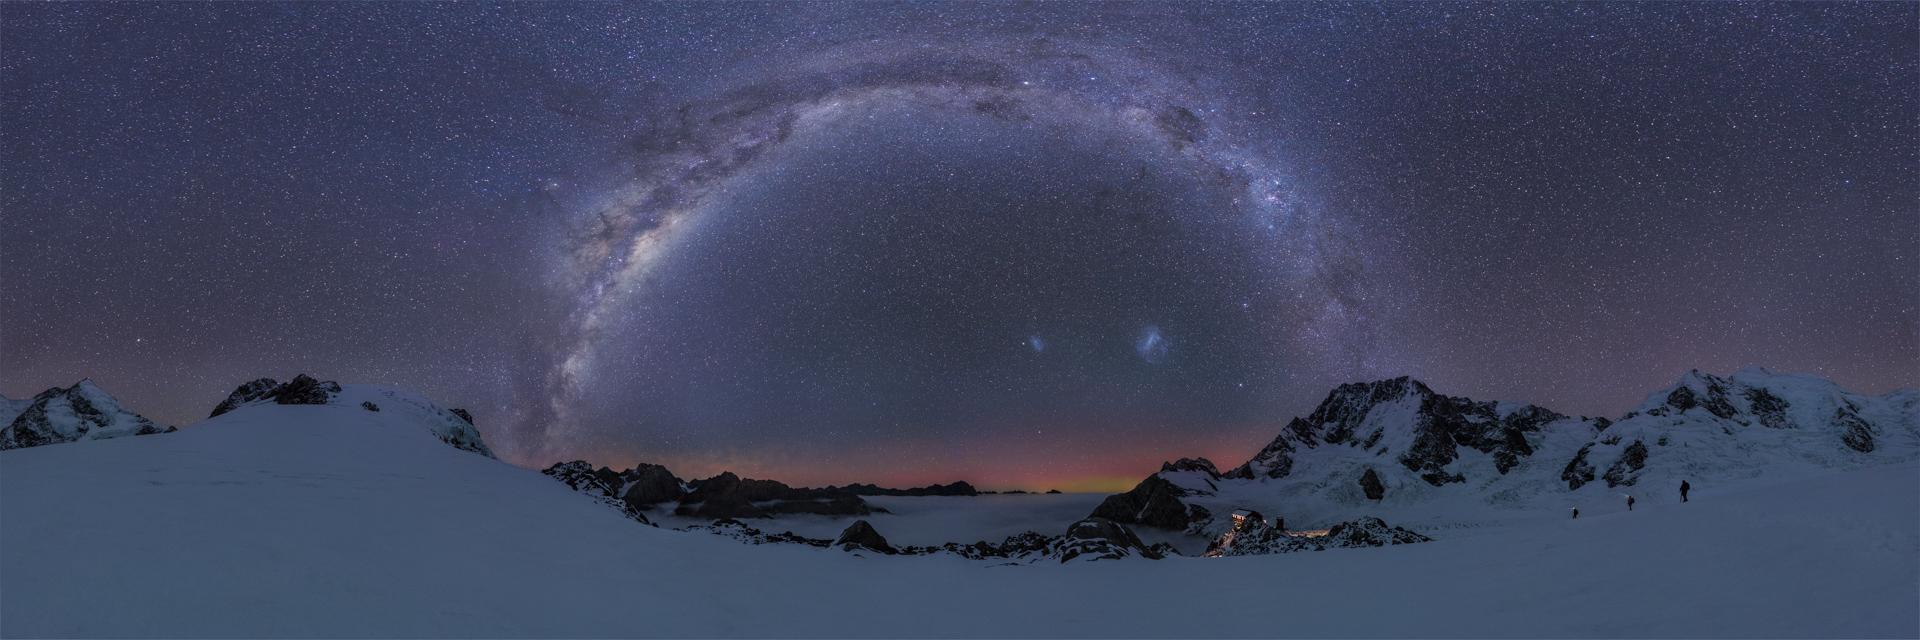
<point x="741" y="531"/>
<point x="1856" y="433"/>
<point x="861" y="535"/>
<point x="1024" y="547"/>
<point x="1371" y="486"/>
<point x="1433" y="428"/>
<point x="1367" y="532"/>
<point x="958" y="488"/>
<point x="1254" y="536"/>
<point x="595" y="483"/>
<point x="81" y="412"/>
<point x="730" y="496"/>
<point x="302" y="389"/>
<point x="646" y="485"/>
<point x="1102" y="539"/>
<point x="1626" y="468"/>
<point x="250" y="392"/>
<point x="1579" y="471"/>
<point x="1155" y="502"/>
<point x="1194" y="465"/>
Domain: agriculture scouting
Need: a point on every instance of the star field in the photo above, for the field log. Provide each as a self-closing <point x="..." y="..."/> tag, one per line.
<point x="1022" y="245"/>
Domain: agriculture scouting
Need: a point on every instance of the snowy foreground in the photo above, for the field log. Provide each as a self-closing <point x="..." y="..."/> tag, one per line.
<point x="334" y="521"/>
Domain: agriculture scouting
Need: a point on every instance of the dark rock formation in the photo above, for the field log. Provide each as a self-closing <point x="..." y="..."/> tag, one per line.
<point x="729" y="496"/>
<point x="1713" y="397"/>
<point x="959" y="488"/>
<point x="1856" y="433"/>
<point x="246" y="393"/>
<point x="1154" y="502"/>
<point x="463" y="415"/>
<point x="1368" y="532"/>
<point x="1770" y="410"/>
<point x="80" y="412"/>
<point x="1626" y="470"/>
<point x="1201" y="465"/>
<point x="1102" y="539"/>
<point x="1253" y="536"/>
<point x="302" y="389"/>
<point x="738" y="530"/>
<point x="1578" y="471"/>
<point x="646" y="485"/>
<point x="1027" y="546"/>
<point x="370" y="406"/>
<point x="1370" y="483"/>
<point x="601" y="485"/>
<point x="861" y="535"/>
<point x="1441" y="426"/>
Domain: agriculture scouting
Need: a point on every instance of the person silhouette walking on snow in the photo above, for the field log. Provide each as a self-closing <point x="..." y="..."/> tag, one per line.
<point x="1684" y="487"/>
<point x="1629" y="503"/>
<point x="1576" y="513"/>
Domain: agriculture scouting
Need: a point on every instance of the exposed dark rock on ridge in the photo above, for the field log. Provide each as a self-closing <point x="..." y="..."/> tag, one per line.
<point x="1441" y="425"/>
<point x="729" y="496"/>
<point x="1626" y="469"/>
<point x="861" y="535"/>
<point x="302" y="389"/>
<point x="1155" y="502"/>
<point x="1200" y="465"/>
<point x="80" y="412"/>
<point x="1370" y="484"/>
<point x="958" y="488"/>
<point x="1102" y="539"/>
<point x="599" y="484"/>
<point x="1255" y="536"/>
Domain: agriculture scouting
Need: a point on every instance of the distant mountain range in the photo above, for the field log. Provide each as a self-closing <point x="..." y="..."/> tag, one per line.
<point x="1394" y="446"/>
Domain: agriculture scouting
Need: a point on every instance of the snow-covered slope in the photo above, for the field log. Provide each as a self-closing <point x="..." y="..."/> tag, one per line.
<point x="332" y="520"/>
<point x="1398" y="450"/>
<point x="83" y="411"/>
<point x="1751" y="424"/>
<point x="452" y="426"/>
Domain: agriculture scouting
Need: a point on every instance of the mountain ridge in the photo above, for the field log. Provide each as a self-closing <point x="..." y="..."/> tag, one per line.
<point x="1390" y="445"/>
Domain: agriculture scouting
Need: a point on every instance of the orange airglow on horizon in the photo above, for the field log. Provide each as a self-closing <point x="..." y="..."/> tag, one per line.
<point x="1035" y="465"/>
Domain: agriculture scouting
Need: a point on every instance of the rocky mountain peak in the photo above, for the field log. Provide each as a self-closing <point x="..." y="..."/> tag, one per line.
<point x="1404" y="418"/>
<point x="82" y="411"/>
<point x="1155" y="502"/>
<point x="302" y="389"/>
<point x="1191" y="465"/>
<point x="859" y="536"/>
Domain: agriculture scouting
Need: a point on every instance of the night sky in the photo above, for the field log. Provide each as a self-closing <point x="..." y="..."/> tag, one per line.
<point x="1022" y="245"/>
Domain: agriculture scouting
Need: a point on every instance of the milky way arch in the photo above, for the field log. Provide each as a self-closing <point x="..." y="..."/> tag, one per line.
<point x="681" y="157"/>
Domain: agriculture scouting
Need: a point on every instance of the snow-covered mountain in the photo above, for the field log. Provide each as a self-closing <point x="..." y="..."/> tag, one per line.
<point x="83" y="411"/>
<point x="452" y="426"/>
<point x="354" y="517"/>
<point x="1396" y="448"/>
<point x="336" y="520"/>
